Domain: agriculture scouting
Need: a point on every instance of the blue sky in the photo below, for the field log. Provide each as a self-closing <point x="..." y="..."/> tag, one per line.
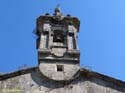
<point x="101" y="37"/>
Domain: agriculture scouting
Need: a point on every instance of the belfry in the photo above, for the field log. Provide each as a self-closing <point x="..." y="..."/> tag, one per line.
<point x="58" y="53"/>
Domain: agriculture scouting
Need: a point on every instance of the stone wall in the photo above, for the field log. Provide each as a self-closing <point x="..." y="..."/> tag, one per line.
<point x="31" y="81"/>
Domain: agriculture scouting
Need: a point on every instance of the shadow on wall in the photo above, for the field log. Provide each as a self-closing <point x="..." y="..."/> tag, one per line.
<point x="41" y="80"/>
<point x="81" y="80"/>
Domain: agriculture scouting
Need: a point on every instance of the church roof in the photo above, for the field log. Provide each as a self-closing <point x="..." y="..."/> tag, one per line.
<point x="84" y="73"/>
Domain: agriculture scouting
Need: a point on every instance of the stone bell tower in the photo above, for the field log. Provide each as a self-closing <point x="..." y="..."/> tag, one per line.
<point x="58" y="53"/>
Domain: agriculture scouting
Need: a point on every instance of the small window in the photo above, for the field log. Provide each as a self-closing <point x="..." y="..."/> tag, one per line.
<point x="60" y="68"/>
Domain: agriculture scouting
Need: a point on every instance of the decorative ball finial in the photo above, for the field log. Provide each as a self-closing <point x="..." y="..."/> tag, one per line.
<point x="57" y="14"/>
<point x="57" y="10"/>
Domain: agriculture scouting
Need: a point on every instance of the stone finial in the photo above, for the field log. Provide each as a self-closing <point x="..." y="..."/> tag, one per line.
<point x="57" y="14"/>
<point x="57" y="11"/>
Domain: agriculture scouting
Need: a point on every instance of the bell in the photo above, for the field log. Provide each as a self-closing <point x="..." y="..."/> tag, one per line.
<point x="59" y="39"/>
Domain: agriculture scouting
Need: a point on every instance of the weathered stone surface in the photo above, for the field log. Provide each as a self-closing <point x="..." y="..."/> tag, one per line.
<point x="50" y="70"/>
<point x="58" y="52"/>
<point x="33" y="82"/>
